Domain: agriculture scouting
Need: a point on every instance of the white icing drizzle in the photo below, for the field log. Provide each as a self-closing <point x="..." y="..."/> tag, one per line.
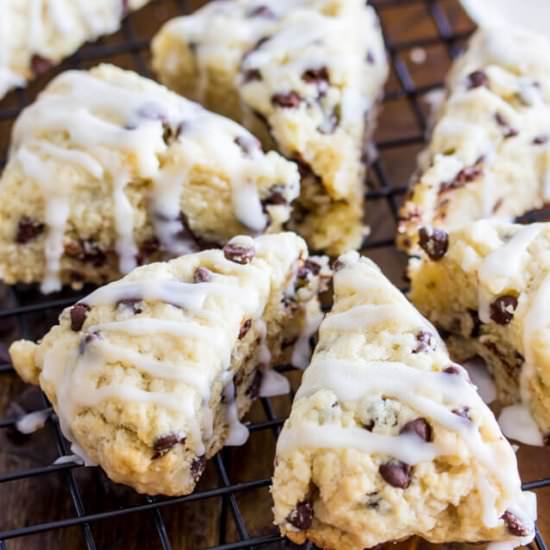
<point x="111" y="125"/>
<point x="517" y="423"/>
<point x="32" y="422"/>
<point x="301" y="354"/>
<point x="52" y="29"/>
<point x="300" y="36"/>
<point x="77" y="372"/>
<point x="238" y="433"/>
<point x="248" y="207"/>
<point x="482" y="379"/>
<point x="68" y="459"/>
<point x="503" y="269"/>
<point x="273" y="383"/>
<point x="431" y="394"/>
<point x="306" y="434"/>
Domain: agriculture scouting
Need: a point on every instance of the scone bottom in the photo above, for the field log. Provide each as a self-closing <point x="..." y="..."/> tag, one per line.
<point x="151" y="375"/>
<point x="387" y="438"/>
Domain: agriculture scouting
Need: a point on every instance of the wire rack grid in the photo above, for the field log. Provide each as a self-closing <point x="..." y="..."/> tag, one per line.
<point x="413" y="29"/>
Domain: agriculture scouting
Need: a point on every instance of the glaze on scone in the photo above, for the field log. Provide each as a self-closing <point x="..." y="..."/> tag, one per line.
<point x="108" y="169"/>
<point x="150" y="375"/>
<point x="305" y="76"/>
<point x="489" y="154"/>
<point x="35" y="35"/>
<point x="490" y="291"/>
<point x="388" y="438"/>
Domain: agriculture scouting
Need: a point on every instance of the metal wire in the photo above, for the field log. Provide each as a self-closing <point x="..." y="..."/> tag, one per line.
<point x="381" y="188"/>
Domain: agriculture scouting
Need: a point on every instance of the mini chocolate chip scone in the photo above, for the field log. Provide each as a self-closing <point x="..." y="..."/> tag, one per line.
<point x="489" y="153"/>
<point x="109" y="169"/>
<point x="490" y="292"/>
<point x="388" y="438"/>
<point x="303" y="75"/>
<point x="35" y="36"/>
<point x="150" y="375"/>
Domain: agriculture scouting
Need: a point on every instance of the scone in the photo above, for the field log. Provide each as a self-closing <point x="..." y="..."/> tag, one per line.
<point x="489" y="153"/>
<point x="108" y="170"/>
<point x="305" y="76"/>
<point x="150" y="375"/>
<point x="34" y="36"/>
<point x="388" y="438"/>
<point x="489" y="290"/>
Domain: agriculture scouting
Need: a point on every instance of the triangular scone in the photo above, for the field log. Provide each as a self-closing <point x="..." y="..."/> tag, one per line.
<point x="489" y="154"/>
<point x="34" y="36"/>
<point x="387" y="438"/>
<point x="491" y="292"/>
<point x="305" y="76"/>
<point x="108" y="170"/>
<point x="150" y="375"/>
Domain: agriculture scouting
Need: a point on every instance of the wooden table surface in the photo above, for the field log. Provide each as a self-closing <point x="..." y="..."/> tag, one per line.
<point x="196" y="525"/>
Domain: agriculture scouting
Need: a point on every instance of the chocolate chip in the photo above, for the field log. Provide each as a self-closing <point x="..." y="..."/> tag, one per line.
<point x="28" y="229"/>
<point x="477" y="79"/>
<point x="170" y="134"/>
<point x="262" y="11"/>
<point x="86" y="341"/>
<point x="251" y="75"/>
<point x="302" y="516"/>
<point x="453" y="369"/>
<point x="5" y="358"/>
<point x="239" y="254"/>
<point x="316" y="76"/>
<point x="40" y="65"/>
<point x="546" y="439"/>
<point x="397" y="474"/>
<point x="541" y="140"/>
<point x="148" y="248"/>
<point x="420" y="427"/>
<point x="309" y="268"/>
<point x="514" y="525"/>
<point x="202" y="275"/>
<point x="245" y="327"/>
<point x="424" y="342"/>
<point x="330" y="122"/>
<point x="133" y="304"/>
<point x="197" y="467"/>
<point x="369" y="426"/>
<point x="289" y="100"/>
<point x="370" y="58"/>
<point x="78" y="314"/>
<point x="87" y="251"/>
<point x="503" y="123"/>
<point x="165" y="442"/>
<point x="253" y="391"/>
<point x="463" y="412"/>
<point x="276" y="196"/>
<point x="502" y="309"/>
<point x="466" y="175"/>
<point x="435" y="242"/>
<point x="248" y="144"/>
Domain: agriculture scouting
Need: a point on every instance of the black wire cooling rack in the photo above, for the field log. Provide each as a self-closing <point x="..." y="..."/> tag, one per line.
<point x="429" y="34"/>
